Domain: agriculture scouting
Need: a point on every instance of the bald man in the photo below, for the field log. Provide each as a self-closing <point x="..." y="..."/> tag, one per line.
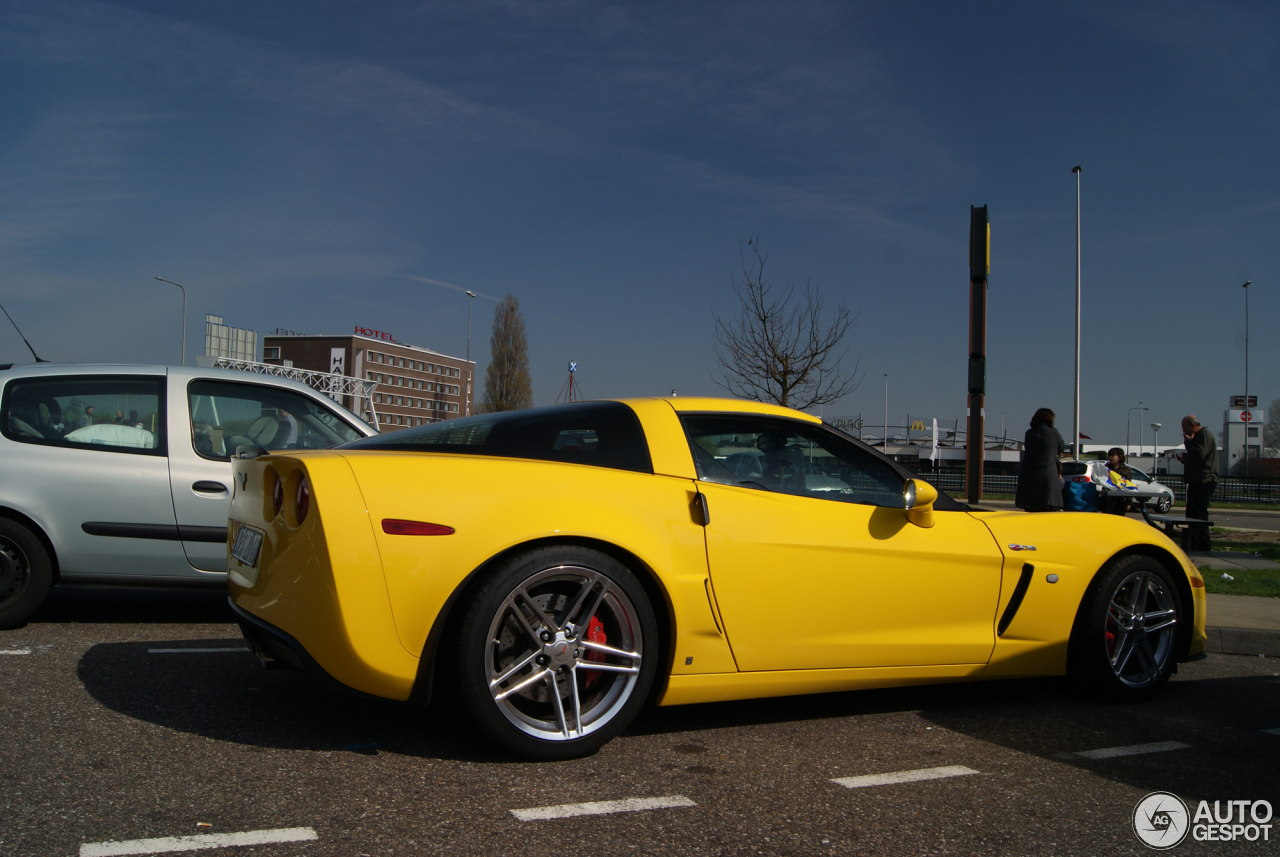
<point x="1200" y="471"/>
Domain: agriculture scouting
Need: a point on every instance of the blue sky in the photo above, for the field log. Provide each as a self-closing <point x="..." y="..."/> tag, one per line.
<point x="314" y="166"/>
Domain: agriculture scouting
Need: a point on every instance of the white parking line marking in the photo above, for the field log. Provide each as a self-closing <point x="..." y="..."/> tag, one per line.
<point x="196" y="651"/>
<point x="1132" y="750"/>
<point x="15" y="651"/>
<point x="915" y="776"/>
<point x="166" y="844"/>
<point x="604" y="807"/>
<point x="1272" y="731"/>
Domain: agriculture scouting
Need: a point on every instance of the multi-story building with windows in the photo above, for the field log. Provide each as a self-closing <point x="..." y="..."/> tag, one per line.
<point x="416" y="385"/>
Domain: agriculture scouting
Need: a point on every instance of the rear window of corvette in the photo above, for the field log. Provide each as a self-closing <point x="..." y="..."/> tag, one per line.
<point x="602" y="434"/>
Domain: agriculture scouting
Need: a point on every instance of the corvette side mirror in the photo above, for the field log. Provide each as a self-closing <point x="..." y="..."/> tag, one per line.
<point x="918" y="498"/>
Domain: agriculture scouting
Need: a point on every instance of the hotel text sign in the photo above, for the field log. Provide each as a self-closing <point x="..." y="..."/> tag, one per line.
<point x="376" y="334"/>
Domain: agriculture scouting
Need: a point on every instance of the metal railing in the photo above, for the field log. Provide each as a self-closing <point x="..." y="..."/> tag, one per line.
<point x="918" y="432"/>
<point x="331" y="384"/>
<point x="1230" y="489"/>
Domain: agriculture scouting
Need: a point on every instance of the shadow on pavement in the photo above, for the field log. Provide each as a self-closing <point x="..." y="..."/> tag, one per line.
<point x="228" y="697"/>
<point x="1220" y="718"/>
<point x="88" y="604"/>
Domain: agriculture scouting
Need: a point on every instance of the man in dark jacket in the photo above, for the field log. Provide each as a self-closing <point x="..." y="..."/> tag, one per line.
<point x="1200" y="470"/>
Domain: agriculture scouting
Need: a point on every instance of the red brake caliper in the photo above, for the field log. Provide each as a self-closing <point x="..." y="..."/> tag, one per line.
<point x="596" y="634"/>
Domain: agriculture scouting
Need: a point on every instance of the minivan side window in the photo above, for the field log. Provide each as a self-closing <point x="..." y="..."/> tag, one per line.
<point x="98" y="412"/>
<point x="225" y="415"/>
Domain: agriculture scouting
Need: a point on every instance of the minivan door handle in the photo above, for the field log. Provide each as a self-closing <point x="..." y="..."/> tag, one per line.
<point x="206" y="486"/>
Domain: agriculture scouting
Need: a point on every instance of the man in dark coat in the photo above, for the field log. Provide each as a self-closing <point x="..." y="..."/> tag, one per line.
<point x="1040" y="480"/>
<point x="1200" y="470"/>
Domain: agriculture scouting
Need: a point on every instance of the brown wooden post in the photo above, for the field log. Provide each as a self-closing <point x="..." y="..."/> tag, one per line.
<point x="979" y="267"/>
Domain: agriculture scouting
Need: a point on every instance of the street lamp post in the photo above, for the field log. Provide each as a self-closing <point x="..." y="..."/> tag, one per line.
<point x="184" y="317"/>
<point x="1075" y="446"/>
<point x="1128" y="449"/>
<point x="1246" y="409"/>
<point x="886" y="413"/>
<point x="471" y="375"/>
<point x="1155" y="449"/>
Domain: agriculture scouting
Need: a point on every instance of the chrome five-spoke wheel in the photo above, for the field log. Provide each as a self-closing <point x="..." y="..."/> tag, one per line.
<point x="559" y="637"/>
<point x="1126" y="641"/>
<point x="1141" y="629"/>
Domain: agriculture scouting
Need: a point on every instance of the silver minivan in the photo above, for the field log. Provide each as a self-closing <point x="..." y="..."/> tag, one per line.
<point x="121" y="475"/>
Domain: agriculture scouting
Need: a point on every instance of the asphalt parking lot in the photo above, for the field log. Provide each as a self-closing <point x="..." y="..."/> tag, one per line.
<point x="139" y="716"/>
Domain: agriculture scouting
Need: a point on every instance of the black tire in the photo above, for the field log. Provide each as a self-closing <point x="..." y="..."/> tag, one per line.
<point x="593" y="635"/>
<point x="1164" y="504"/>
<point x="1125" y="642"/>
<point x="25" y="574"/>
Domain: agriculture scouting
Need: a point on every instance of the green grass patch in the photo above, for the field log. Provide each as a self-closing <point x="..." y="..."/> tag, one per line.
<point x="1263" y="551"/>
<point x="1247" y="581"/>
<point x="1214" y="504"/>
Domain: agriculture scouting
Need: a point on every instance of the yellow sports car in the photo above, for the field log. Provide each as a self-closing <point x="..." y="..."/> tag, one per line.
<point x="550" y="570"/>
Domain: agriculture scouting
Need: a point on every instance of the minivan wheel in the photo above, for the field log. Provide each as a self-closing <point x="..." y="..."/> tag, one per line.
<point x="25" y="574"/>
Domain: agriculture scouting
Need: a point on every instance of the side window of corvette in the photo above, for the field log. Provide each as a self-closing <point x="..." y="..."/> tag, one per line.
<point x="788" y="457"/>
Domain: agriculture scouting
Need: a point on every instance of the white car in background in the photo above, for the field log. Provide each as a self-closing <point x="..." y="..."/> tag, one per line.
<point x="121" y="475"/>
<point x="1162" y="502"/>
<point x="1147" y="492"/>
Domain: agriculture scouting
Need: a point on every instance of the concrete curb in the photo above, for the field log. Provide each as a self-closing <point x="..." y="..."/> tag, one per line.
<point x="1243" y="641"/>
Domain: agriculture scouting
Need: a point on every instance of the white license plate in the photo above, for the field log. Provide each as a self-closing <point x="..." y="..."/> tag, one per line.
<point x="247" y="547"/>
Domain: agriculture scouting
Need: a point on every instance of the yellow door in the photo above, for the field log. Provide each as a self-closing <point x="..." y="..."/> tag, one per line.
<point x="811" y="566"/>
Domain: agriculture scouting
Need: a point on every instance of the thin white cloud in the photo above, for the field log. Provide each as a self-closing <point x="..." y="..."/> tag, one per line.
<point x="445" y="285"/>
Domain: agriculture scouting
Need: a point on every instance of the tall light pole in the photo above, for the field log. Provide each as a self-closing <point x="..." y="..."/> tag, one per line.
<point x="184" y="317"/>
<point x="1246" y="409"/>
<point x="1075" y="418"/>
<point x="886" y="413"/>
<point x="471" y="375"/>
<point x="1129" y="416"/>
<point x="1155" y="449"/>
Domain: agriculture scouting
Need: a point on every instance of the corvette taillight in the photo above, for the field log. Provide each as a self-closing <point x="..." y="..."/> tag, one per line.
<point x="277" y="498"/>
<point x="302" y="502"/>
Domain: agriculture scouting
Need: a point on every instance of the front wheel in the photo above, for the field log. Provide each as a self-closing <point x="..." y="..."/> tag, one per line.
<point x="556" y="652"/>
<point x="1164" y="504"/>
<point x="25" y="574"/>
<point x="1125" y="644"/>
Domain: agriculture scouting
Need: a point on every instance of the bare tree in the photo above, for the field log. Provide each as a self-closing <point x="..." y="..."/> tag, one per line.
<point x="778" y="351"/>
<point x="506" y="381"/>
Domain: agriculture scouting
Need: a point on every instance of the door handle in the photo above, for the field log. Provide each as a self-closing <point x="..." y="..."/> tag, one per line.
<point x="206" y="486"/>
<point x="701" y="511"/>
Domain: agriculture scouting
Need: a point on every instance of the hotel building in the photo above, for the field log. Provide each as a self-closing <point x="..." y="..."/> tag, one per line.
<point x="416" y="385"/>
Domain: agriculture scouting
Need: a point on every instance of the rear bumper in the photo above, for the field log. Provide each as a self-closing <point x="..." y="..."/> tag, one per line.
<point x="276" y="649"/>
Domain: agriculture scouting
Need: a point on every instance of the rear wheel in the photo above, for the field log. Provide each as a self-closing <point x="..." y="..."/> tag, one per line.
<point x="25" y="574"/>
<point x="1125" y="645"/>
<point x="556" y="652"/>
